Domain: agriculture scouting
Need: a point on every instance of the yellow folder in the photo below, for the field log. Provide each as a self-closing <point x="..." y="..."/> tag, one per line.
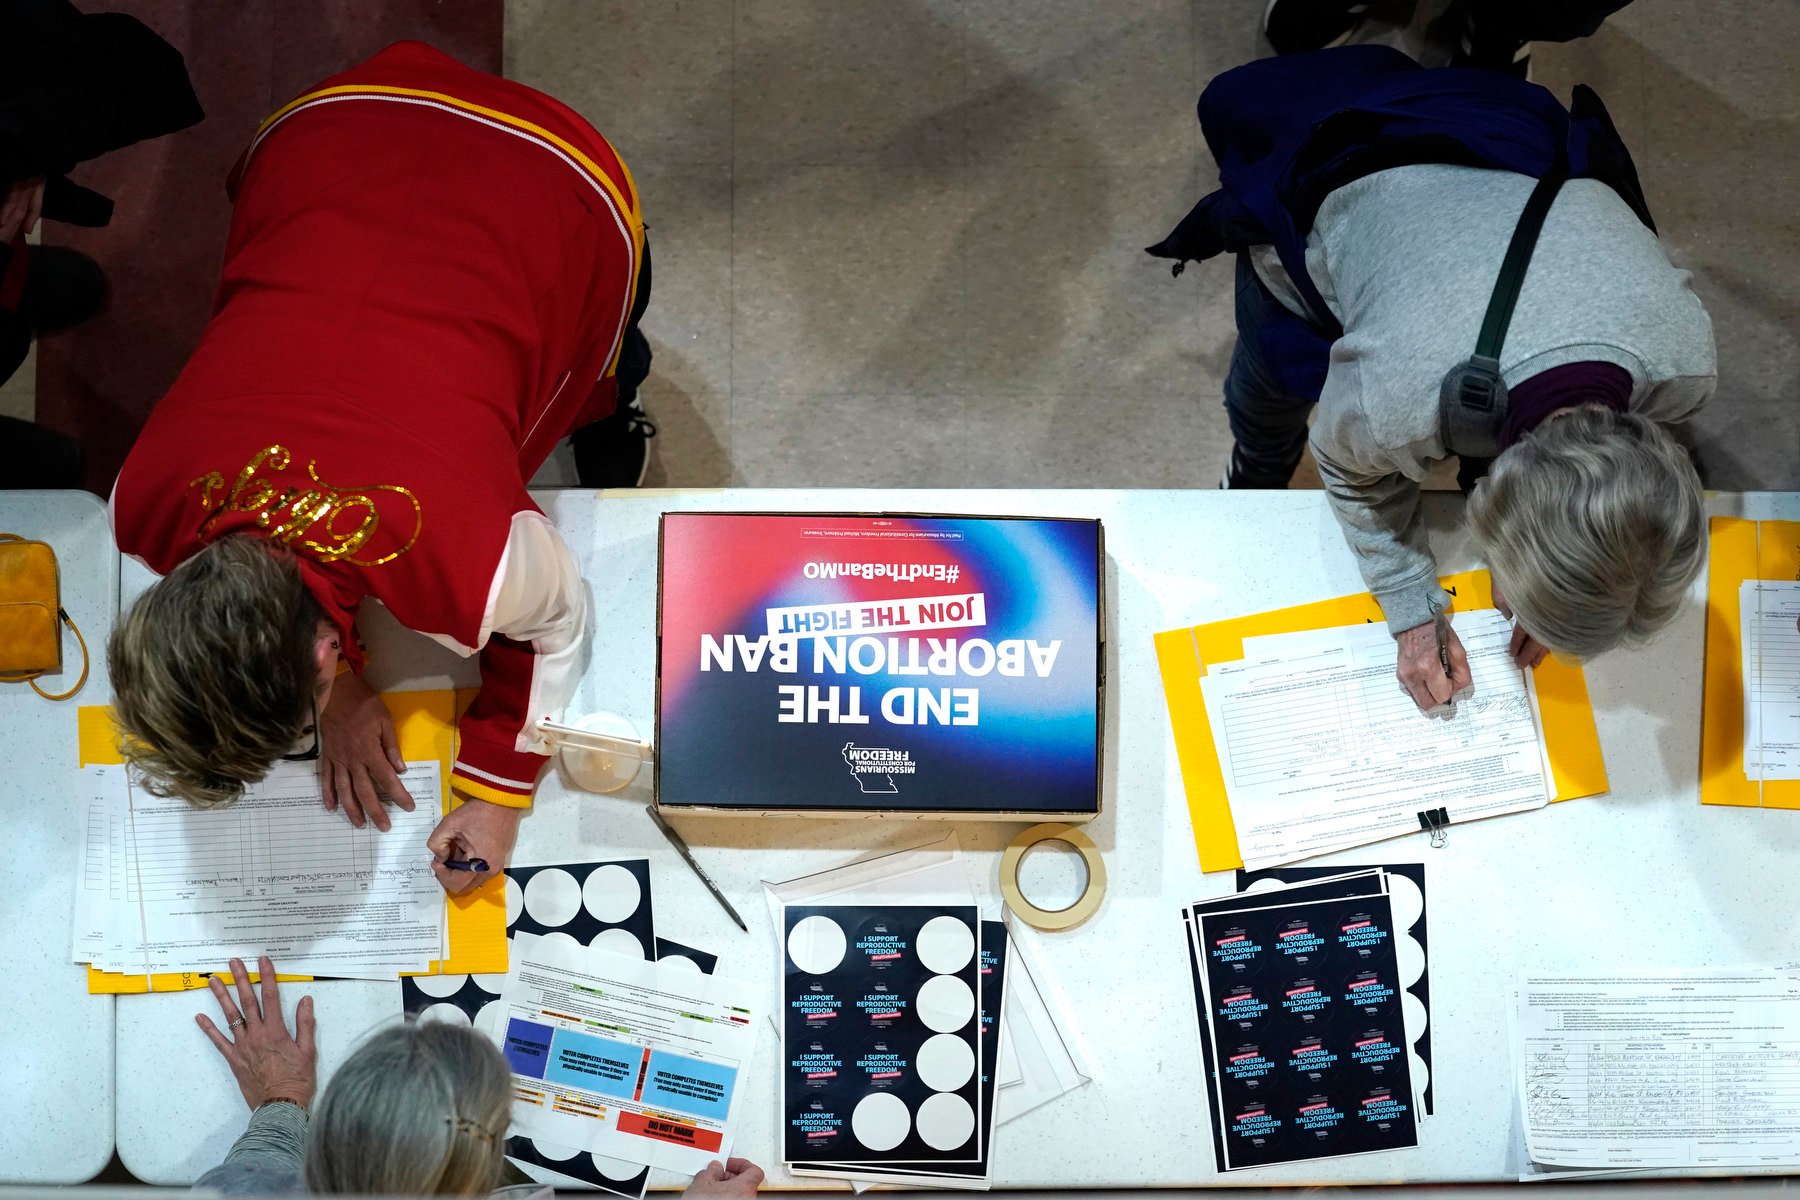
<point x="425" y="724"/>
<point x="1184" y="655"/>
<point x="1740" y="550"/>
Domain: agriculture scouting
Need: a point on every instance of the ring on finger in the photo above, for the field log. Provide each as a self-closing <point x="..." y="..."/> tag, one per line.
<point x="239" y="1023"/>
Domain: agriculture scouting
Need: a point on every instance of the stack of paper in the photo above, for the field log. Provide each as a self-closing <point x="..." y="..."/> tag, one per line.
<point x="1309" y="997"/>
<point x="164" y="887"/>
<point x="1021" y="1055"/>
<point x="626" y="1048"/>
<point x="1675" y="1070"/>
<point x="1320" y="748"/>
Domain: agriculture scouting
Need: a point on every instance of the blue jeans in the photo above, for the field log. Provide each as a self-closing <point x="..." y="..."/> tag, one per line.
<point x="1268" y="420"/>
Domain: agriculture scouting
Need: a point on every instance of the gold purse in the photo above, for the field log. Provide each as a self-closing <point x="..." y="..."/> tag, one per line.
<point x="30" y="607"/>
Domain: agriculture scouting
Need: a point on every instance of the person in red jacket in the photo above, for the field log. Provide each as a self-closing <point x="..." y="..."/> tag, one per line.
<point x="432" y="276"/>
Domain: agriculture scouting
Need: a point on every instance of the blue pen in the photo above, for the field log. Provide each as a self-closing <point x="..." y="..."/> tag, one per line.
<point x="465" y="864"/>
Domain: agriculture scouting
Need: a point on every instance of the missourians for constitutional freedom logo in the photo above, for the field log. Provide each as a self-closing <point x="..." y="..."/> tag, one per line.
<point x="874" y="767"/>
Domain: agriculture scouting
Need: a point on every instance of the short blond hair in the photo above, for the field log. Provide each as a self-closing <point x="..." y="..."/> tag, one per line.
<point x="1593" y="526"/>
<point x="419" y="1109"/>
<point x="213" y="671"/>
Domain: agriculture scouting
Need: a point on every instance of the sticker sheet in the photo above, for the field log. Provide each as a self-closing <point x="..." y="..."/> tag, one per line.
<point x="1412" y="946"/>
<point x="603" y="902"/>
<point x="1303" y="1026"/>
<point x="882" y="1054"/>
<point x="994" y="948"/>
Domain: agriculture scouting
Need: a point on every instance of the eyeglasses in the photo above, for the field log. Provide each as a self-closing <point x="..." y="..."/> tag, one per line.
<point x="312" y="753"/>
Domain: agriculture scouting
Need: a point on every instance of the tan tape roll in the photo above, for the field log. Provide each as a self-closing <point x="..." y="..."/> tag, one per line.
<point x="1062" y="918"/>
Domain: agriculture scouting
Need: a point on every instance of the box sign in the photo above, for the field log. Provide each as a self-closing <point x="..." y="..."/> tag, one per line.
<point x="923" y="665"/>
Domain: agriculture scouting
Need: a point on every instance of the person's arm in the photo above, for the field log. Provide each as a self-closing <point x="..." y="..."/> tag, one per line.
<point x="538" y="613"/>
<point x="276" y="1074"/>
<point x="1378" y="509"/>
<point x="266" y="1159"/>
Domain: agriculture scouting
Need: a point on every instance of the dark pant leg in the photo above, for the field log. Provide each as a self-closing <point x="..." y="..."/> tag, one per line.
<point x="634" y="348"/>
<point x="1268" y="422"/>
<point x="1542" y="20"/>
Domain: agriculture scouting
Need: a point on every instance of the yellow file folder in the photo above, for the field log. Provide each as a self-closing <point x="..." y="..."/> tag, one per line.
<point x="1740" y="550"/>
<point x="1184" y="655"/>
<point x="425" y="724"/>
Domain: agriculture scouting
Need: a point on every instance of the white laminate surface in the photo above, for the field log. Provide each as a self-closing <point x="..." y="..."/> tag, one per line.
<point x="1642" y="876"/>
<point x="56" y="1041"/>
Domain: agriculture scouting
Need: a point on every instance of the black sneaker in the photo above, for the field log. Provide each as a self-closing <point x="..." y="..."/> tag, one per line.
<point x="1474" y="43"/>
<point x="1296" y="25"/>
<point x="614" y="452"/>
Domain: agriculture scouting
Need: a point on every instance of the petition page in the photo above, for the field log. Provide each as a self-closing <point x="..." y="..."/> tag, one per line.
<point x="272" y="874"/>
<point x="1767" y="613"/>
<point x="1324" y="749"/>
<point x="1660" y="1070"/>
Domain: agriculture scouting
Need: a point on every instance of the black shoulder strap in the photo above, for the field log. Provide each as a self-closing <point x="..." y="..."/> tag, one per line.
<point x="1472" y="398"/>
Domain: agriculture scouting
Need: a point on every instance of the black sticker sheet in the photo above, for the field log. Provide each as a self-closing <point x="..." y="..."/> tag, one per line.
<point x="993" y="995"/>
<point x="882" y="1053"/>
<point x="606" y="904"/>
<point x="1406" y="894"/>
<point x="1299" y="1069"/>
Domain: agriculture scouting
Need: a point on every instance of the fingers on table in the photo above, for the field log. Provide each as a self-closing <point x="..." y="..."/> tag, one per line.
<point x="252" y="1011"/>
<point x="214" y="1035"/>
<point x="304" y="1025"/>
<point x="271" y="991"/>
<point x="368" y="795"/>
<point x="346" y="795"/>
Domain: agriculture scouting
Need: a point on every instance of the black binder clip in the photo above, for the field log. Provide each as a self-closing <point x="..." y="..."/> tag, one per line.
<point x="1436" y="822"/>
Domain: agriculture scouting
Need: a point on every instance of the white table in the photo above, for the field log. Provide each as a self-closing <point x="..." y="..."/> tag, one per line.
<point x="56" y="1108"/>
<point x="1577" y="885"/>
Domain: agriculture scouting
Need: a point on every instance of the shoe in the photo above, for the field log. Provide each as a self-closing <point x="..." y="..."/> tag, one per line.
<point x="614" y="452"/>
<point x="1296" y="25"/>
<point x="63" y="288"/>
<point x="1472" y="45"/>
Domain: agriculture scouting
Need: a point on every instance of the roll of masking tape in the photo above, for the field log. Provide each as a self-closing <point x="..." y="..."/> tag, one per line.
<point x="1061" y="918"/>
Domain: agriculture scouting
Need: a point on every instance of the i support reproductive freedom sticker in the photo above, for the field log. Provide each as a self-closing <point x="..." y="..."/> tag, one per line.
<point x="1368" y="992"/>
<point x="880" y="944"/>
<point x="1243" y="1008"/>
<point x="1298" y="941"/>
<point x="1306" y="1000"/>
<point x="1247" y="1066"/>
<point x="1311" y="1060"/>
<point x="816" y="1067"/>
<point x="1318" y="1121"/>
<point x="1236" y="951"/>
<point x="1362" y="934"/>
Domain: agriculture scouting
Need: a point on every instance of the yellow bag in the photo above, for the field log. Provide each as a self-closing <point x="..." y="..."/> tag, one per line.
<point x="30" y="606"/>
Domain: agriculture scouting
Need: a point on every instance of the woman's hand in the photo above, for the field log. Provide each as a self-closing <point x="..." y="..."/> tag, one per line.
<point x="1421" y="671"/>
<point x="359" y="756"/>
<point x="266" y="1062"/>
<point x="738" y="1178"/>
<point x="1526" y="651"/>
<point x="473" y="829"/>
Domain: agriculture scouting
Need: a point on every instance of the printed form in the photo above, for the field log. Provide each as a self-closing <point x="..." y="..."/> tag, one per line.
<point x="1660" y="1070"/>
<point x="626" y="1058"/>
<point x="1321" y="748"/>
<point x="167" y="887"/>
<point x="1767" y="613"/>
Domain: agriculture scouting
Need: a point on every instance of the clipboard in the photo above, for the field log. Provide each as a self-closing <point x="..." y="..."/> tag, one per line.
<point x="425" y="725"/>
<point x="1740" y="550"/>
<point x="1571" y="741"/>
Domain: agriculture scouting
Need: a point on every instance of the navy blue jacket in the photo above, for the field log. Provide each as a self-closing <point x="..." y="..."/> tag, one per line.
<point x="1288" y="131"/>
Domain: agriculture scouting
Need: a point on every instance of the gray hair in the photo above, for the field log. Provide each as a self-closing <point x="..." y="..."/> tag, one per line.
<point x="213" y="671"/>
<point x="418" y="1109"/>
<point x="1593" y="528"/>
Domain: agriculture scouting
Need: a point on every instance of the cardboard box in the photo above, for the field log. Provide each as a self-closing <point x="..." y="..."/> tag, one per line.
<point x="886" y="664"/>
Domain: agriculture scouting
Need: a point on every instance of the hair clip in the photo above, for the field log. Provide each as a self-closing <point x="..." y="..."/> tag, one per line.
<point x="464" y="1125"/>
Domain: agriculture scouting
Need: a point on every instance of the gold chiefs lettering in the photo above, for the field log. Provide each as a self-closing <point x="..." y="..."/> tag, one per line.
<point x="331" y="522"/>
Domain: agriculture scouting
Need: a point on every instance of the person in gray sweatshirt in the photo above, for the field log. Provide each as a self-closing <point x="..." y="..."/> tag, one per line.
<point x="418" y="1109"/>
<point x="1590" y="517"/>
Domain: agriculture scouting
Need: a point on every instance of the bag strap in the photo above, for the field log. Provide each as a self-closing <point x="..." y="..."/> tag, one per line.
<point x="1472" y="398"/>
<point x="1513" y="267"/>
<point x="64" y="614"/>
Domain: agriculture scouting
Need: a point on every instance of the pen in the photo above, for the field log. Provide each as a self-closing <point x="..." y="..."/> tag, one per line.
<point x="681" y="848"/>
<point x="465" y="864"/>
<point x="1442" y="623"/>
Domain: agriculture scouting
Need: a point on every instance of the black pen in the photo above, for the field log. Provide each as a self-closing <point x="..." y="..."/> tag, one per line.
<point x="681" y="848"/>
<point x="464" y="864"/>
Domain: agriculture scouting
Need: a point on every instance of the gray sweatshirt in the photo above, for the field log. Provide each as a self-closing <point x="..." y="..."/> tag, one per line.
<point x="1406" y="259"/>
<point x="268" y="1160"/>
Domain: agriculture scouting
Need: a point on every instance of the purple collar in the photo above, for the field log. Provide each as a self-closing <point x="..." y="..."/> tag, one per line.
<point x="1567" y="386"/>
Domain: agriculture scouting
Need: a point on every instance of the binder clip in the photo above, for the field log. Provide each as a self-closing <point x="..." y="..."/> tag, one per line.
<point x="1436" y="822"/>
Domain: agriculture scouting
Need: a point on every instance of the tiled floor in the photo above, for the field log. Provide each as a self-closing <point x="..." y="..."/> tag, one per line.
<point x="898" y="242"/>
